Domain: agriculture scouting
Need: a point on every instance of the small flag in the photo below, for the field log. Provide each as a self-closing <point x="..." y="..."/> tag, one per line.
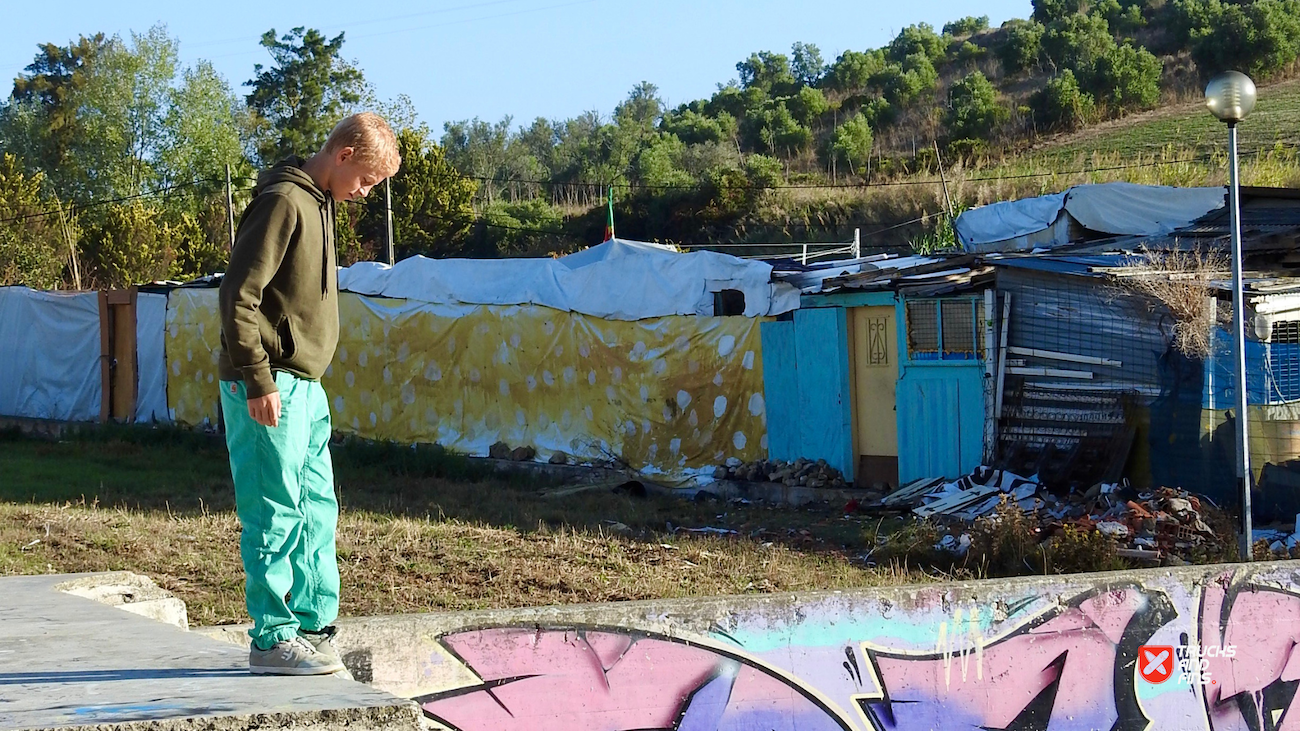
<point x="609" y="227"/>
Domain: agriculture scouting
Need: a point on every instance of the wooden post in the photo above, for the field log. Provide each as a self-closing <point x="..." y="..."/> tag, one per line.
<point x="990" y="379"/>
<point x="388" y="218"/>
<point x="117" y="355"/>
<point x="230" y="208"/>
<point x="1002" y="356"/>
<point x="943" y="179"/>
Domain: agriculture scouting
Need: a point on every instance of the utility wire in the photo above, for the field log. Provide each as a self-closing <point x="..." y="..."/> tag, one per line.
<point x="156" y="193"/>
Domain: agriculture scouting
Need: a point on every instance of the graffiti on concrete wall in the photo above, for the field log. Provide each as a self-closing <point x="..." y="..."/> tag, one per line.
<point x="1218" y="654"/>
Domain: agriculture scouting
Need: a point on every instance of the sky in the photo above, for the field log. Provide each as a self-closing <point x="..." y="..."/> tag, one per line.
<point x="459" y="59"/>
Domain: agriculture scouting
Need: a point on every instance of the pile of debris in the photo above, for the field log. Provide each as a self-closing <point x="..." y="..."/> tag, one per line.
<point x="1146" y="526"/>
<point x="799" y="473"/>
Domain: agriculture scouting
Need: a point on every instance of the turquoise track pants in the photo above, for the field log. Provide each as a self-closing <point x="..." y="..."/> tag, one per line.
<point x="284" y="495"/>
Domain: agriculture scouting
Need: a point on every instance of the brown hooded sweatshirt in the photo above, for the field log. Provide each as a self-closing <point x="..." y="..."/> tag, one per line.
<point x="279" y="296"/>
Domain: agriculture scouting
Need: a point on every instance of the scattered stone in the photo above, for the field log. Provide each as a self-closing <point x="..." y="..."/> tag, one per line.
<point x="733" y="462"/>
<point x="500" y="450"/>
<point x="559" y="458"/>
<point x="721" y="473"/>
<point x="523" y="454"/>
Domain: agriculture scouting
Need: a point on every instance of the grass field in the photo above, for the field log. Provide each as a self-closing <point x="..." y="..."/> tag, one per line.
<point x="419" y="531"/>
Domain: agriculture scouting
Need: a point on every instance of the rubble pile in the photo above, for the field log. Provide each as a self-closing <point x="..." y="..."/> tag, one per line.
<point x="1153" y="525"/>
<point x="800" y="473"/>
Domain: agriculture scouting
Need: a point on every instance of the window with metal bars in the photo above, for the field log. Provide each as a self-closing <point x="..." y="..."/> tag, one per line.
<point x="943" y="329"/>
<point x="1284" y="362"/>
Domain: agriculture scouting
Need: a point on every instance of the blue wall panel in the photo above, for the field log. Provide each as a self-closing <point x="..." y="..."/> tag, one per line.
<point x="825" y="405"/>
<point x="781" y="390"/>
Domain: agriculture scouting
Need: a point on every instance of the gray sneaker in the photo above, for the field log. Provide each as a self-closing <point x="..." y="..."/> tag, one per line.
<point x="323" y="641"/>
<point x="293" y="657"/>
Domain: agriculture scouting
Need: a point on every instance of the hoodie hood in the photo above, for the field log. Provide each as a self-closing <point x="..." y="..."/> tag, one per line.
<point x="290" y="170"/>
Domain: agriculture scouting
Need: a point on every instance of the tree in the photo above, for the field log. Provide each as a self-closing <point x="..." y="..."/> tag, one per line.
<point x="1021" y="46"/>
<point x="303" y="94"/>
<point x="776" y="130"/>
<point x="1127" y="78"/>
<point x="852" y="143"/>
<point x="969" y="25"/>
<point x="1061" y="104"/>
<point x="1048" y="11"/>
<point x="974" y="109"/>
<point x="661" y="164"/>
<point x="641" y="111"/>
<point x="917" y="39"/>
<point x="853" y="70"/>
<point x="1123" y="17"/>
<point x="202" y="129"/>
<point x="694" y="128"/>
<point x="901" y="84"/>
<point x="30" y="252"/>
<point x="808" y="105"/>
<point x="138" y="242"/>
<point x="1259" y="38"/>
<point x="806" y="63"/>
<point x="767" y="72"/>
<point x="1077" y="41"/>
<point x="432" y="203"/>
<point x="49" y="86"/>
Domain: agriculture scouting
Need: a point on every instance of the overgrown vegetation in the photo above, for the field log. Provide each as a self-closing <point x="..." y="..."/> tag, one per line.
<point x="1181" y="283"/>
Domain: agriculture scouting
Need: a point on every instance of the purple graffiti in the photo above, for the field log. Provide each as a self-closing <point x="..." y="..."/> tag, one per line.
<point x="566" y="679"/>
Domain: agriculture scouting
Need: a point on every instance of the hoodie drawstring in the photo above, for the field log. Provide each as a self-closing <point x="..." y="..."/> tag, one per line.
<point x="327" y="223"/>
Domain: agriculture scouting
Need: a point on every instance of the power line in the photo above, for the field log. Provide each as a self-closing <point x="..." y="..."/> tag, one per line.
<point x="156" y="193"/>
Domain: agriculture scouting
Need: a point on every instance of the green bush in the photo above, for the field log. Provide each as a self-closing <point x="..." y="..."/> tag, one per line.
<point x="966" y="26"/>
<point x="1021" y="47"/>
<point x="1260" y="38"/>
<point x="1048" y="11"/>
<point x="32" y="246"/>
<point x="853" y="70"/>
<point x="1076" y="42"/>
<point x="917" y="39"/>
<point x="973" y="110"/>
<point x="694" y="128"/>
<point x="852" y="142"/>
<point x="1127" y="78"/>
<point x="1061" y="105"/>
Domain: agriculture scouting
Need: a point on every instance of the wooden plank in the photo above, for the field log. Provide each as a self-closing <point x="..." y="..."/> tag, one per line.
<point x="105" y="357"/>
<point x="990" y="377"/>
<point x="1002" y="354"/>
<point x="1069" y="357"/>
<point x="952" y="503"/>
<point x="1050" y="373"/>
<point x="913" y="490"/>
<point x="781" y="390"/>
<point x="123" y="365"/>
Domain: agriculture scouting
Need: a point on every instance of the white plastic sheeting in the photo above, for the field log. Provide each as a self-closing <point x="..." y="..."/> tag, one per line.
<point x="616" y="280"/>
<point x="49" y="360"/>
<point x="1107" y="208"/>
<point x="150" y="327"/>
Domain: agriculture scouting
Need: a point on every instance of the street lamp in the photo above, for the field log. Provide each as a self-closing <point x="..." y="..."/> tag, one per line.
<point x="1230" y="96"/>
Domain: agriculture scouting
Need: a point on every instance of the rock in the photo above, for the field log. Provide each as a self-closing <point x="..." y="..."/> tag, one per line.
<point x="733" y="462"/>
<point x="559" y="458"/>
<point x="1178" y="505"/>
<point x="500" y="450"/>
<point x="704" y="496"/>
<point x="721" y="473"/>
<point x="523" y="454"/>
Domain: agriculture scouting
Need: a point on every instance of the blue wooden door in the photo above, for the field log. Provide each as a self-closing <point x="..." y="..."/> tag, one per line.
<point x="781" y="390"/>
<point x="940" y="421"/>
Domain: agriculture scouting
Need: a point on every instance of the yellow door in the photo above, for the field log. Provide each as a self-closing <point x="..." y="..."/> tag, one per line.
<point x="874" y="361"/>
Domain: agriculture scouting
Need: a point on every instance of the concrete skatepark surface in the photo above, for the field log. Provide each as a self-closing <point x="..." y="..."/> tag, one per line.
<point x="71" y="662"/>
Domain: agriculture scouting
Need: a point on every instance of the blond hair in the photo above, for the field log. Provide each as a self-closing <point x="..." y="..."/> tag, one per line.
<point x="371" y="139"/>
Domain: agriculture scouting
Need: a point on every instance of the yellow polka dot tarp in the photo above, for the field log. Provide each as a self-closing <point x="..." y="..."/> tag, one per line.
<point x="671" y="396"/>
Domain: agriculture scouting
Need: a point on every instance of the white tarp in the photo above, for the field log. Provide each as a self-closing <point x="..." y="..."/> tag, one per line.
<point x="49" y="360"/>
<point x="1108" y="208"/>
<point x="151" y="360"/>
<point x="617" y="280"/>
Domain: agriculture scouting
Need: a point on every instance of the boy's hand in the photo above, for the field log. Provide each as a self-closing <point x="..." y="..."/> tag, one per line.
<point x="265" y="410"/>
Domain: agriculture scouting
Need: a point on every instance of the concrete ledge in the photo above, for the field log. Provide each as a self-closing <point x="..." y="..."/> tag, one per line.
<point x="135" y="593"/>
<point x="68" y="662"/>
<point x="978" y="654"/>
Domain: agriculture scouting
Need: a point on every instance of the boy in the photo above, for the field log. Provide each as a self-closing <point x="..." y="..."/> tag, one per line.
<point x="279" y="328"/>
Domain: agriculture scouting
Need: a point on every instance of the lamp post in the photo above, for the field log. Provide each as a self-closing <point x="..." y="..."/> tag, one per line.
<point x="1230" y="96"/>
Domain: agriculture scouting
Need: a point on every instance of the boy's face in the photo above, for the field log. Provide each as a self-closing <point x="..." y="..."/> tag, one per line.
<point x="351" y="180"/>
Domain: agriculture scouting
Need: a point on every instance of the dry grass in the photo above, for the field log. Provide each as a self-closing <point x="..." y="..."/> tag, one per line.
<point x="399" y="564"/>
<point x="1181" y="282"/>
<point x="418" y="531"/>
